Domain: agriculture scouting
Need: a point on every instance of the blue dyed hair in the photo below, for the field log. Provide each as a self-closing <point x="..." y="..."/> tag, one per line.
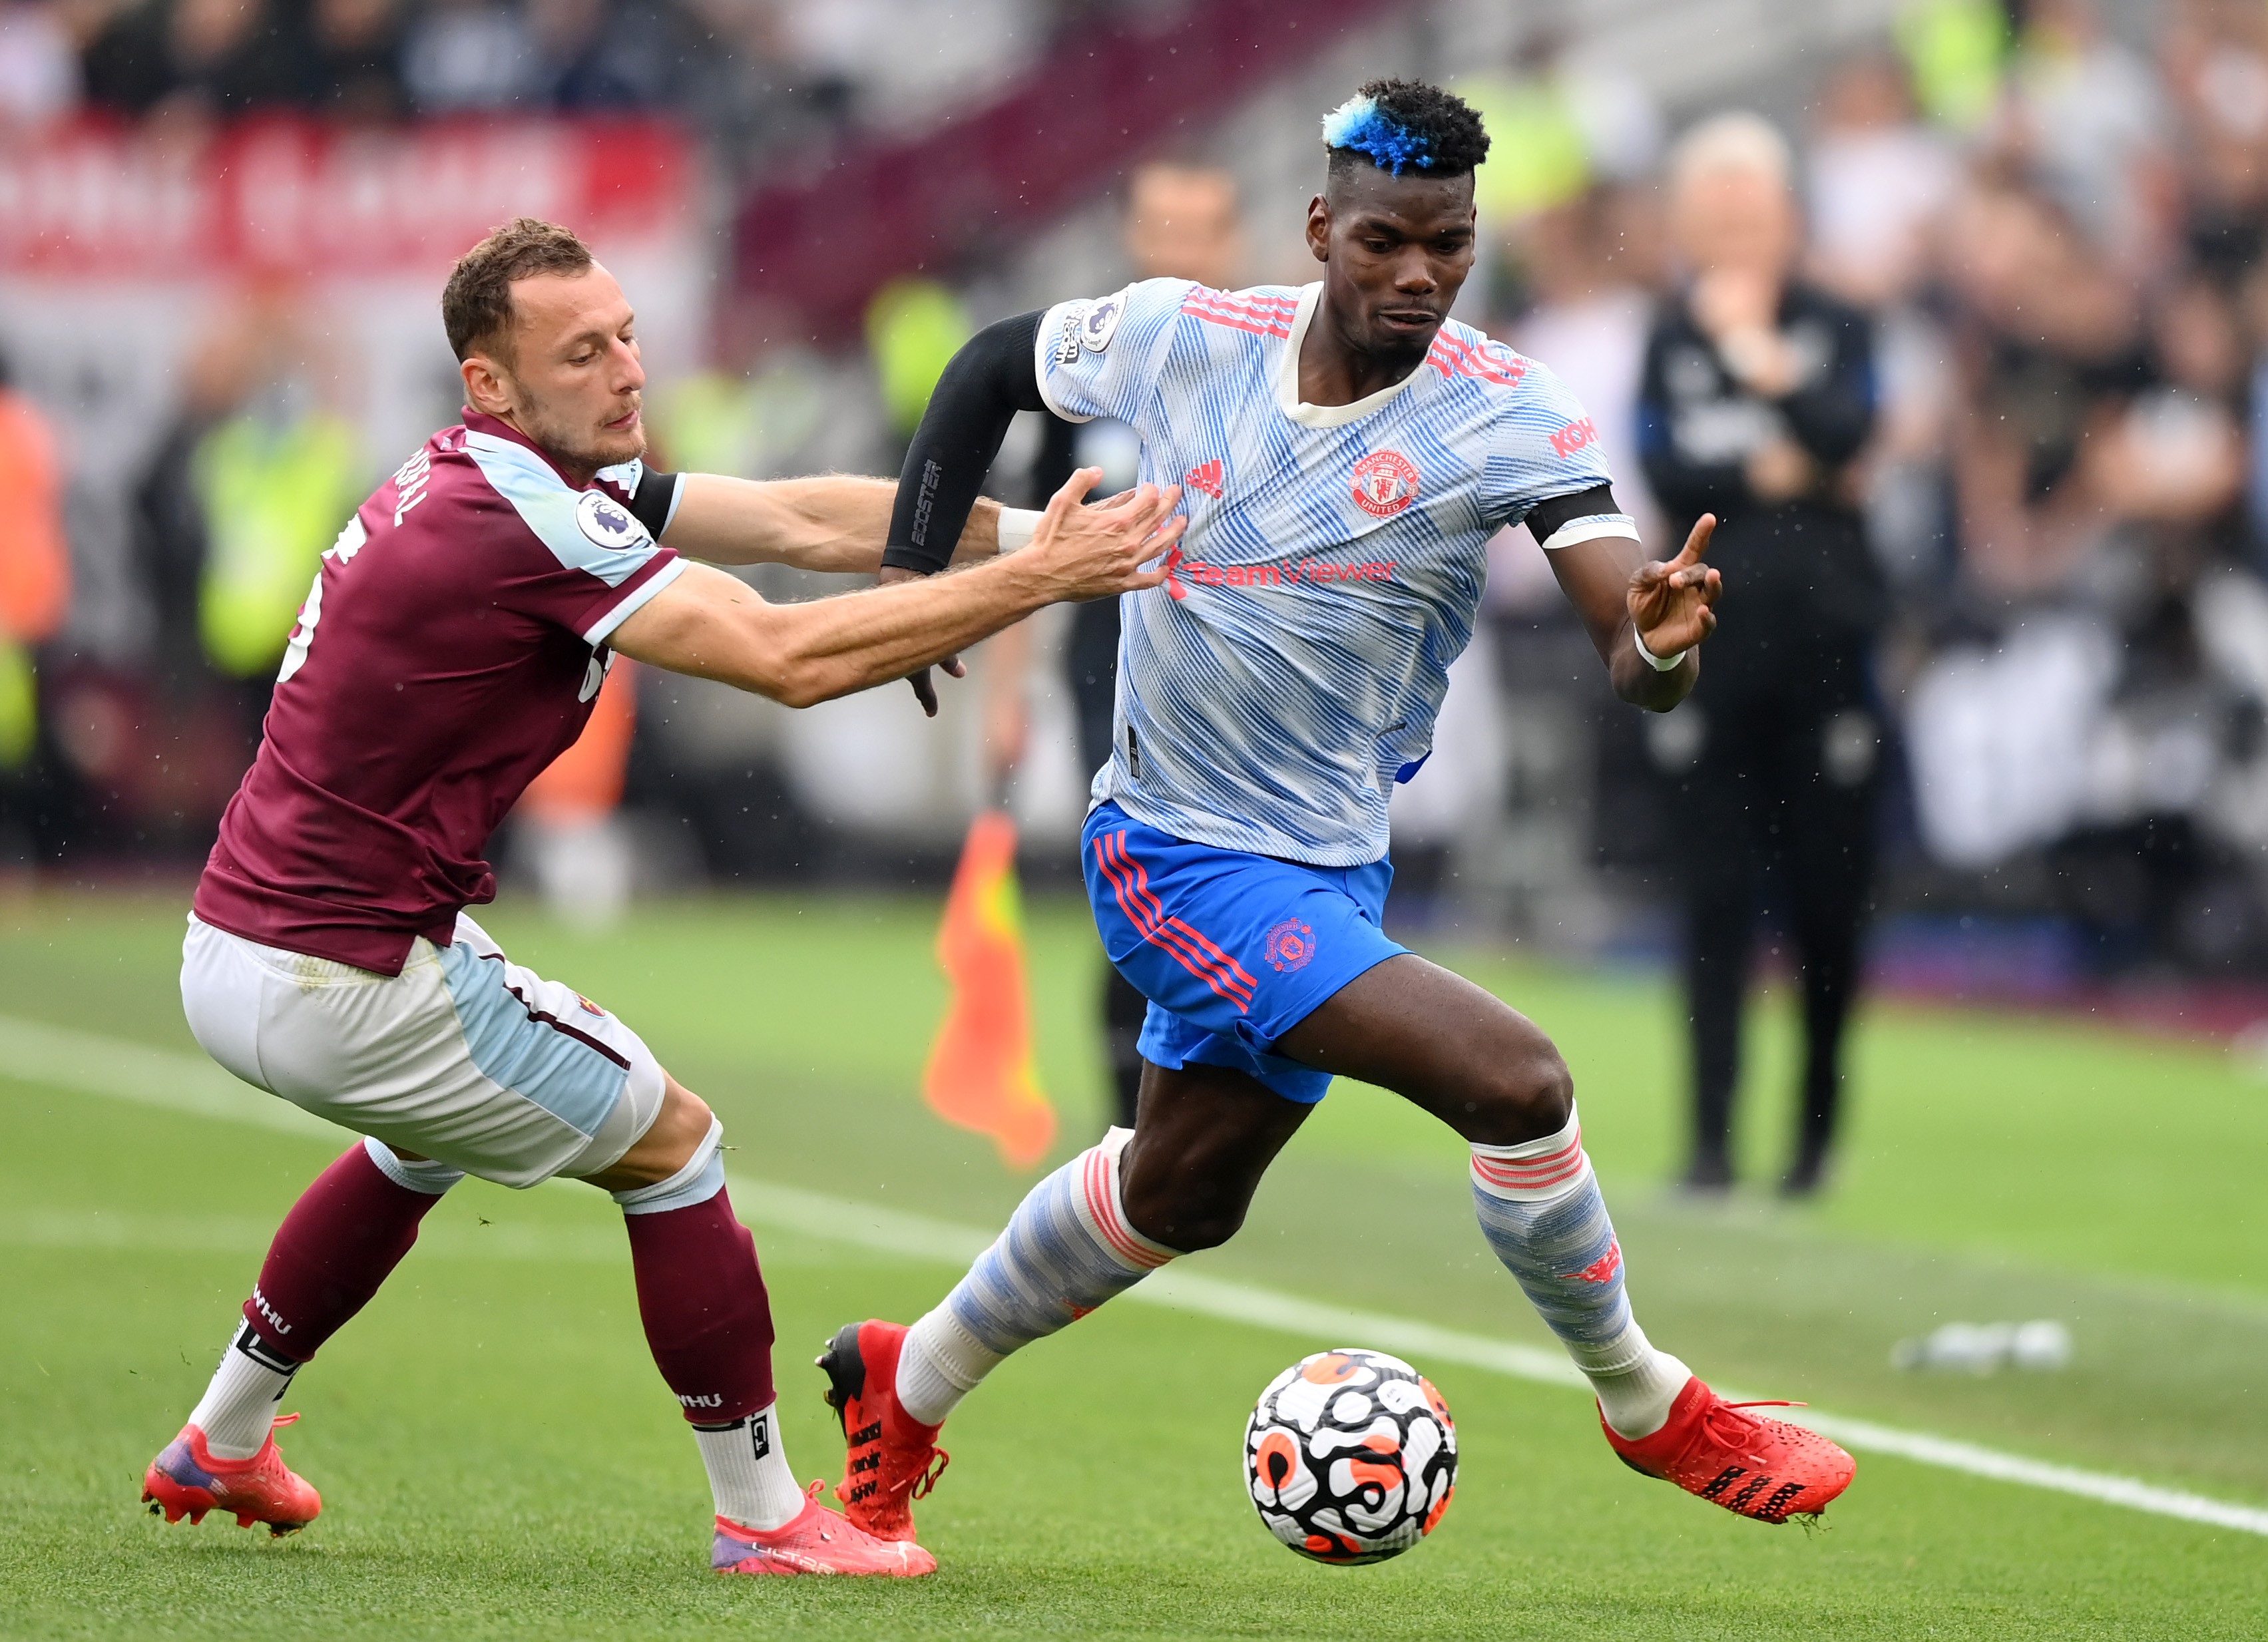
<point x="1360" y="126"/>
<point x="1399" y="125"/>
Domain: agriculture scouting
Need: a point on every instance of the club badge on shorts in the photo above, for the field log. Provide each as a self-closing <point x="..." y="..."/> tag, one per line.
<point x="1385" y="483"/>
<point x="1291" y="944"/>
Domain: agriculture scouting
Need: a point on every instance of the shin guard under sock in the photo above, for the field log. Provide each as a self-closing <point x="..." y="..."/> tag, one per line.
<point x="701" y="1293"/>
<point x="340" y="1240"/>
<point x="1541" y="1211"/>
<point x="349" y="1230"/>
<point x="1068" y="1248"/>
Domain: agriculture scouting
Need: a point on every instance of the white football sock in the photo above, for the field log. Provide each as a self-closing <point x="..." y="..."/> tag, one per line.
<point x="940" y="1362"/>
<point x="240" y="1405"/>
<point x="748" y="1471"/>
<point x="1636" y="1381"/>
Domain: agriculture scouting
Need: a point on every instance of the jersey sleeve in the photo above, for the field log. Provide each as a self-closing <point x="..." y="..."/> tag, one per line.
<point x="593" y="562"/>
<point x="1547" y="447"/>
<point x="651" y="494"/>
<point x="1102" y="355"/>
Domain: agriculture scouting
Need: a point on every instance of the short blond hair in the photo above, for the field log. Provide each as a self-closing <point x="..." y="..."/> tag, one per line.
<point x="1737" y="141"/>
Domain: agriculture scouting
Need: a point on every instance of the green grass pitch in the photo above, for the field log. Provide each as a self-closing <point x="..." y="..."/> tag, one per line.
<point x="499" y="1458"/>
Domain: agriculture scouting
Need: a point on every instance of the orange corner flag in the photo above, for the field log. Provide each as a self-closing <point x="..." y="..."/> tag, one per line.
<point x="981" y="1073"/>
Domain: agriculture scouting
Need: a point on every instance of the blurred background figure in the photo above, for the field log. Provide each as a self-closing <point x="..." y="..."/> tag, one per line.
<point x="568" y="831"/>
<point x="1756" y="396"/>
<point x="35" y="590"/>
<point x="256" y="476"/>
<point x="1181" y="222"/>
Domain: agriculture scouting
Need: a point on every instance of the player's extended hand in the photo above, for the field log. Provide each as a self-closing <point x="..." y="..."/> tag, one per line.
<point x="924" y="688"/>
<point x="1669" y="602"/>
<point x="1096" y="552"/>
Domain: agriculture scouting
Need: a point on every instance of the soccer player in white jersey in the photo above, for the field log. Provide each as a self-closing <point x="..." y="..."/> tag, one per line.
<point x="450" y="648"/>
<point x="1345" y="451"/>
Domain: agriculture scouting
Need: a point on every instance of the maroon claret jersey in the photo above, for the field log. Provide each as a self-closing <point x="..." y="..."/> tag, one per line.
<point x="451" y="648"/>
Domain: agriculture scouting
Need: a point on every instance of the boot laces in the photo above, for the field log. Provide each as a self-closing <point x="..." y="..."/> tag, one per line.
<point x="918" y="1485"/>
<point x="1744" y="1424"/>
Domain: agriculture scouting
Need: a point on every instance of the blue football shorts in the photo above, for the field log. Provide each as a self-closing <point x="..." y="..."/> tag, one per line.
<point x="1232" y="950"/>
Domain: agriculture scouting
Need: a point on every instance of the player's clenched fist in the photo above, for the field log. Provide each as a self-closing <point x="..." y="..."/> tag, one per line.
<point x="1669" y="603"/>
<point x="1097" y="552"/>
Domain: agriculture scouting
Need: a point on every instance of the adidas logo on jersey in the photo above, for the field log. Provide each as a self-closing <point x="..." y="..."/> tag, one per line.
<point x="1210" y="478"/>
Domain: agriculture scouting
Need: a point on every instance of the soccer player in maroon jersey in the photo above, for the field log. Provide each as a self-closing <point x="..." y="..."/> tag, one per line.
<point x="451" y="647"/>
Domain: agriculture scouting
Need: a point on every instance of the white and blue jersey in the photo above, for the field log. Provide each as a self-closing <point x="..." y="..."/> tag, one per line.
<point x="1290" y="670"/>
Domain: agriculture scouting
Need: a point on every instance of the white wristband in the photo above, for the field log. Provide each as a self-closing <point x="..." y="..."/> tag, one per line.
<point x="1017" y="526"/>
<point x="1659" y="664"/>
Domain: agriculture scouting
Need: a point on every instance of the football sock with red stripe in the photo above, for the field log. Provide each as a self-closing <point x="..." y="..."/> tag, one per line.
<point x="348" y="1231"/>
<point x="1067" y="1249"/>
<point x="709" y="1323"/>
<point x="1541" y="1211"/>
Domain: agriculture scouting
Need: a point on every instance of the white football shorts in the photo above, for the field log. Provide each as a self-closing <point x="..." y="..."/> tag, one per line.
<point x="464" y="1056"/>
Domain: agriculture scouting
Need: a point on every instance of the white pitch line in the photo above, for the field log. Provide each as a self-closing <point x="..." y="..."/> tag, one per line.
<point x="58" y="1056"/>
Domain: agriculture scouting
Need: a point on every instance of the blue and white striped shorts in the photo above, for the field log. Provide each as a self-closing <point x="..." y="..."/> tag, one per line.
<point x="464" y="1056"/>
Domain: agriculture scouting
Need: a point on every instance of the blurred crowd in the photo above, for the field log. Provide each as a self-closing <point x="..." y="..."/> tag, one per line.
<point x="2054" y="231"/>
<point x="752" y="74"/>
<point x="2060" y="239"/>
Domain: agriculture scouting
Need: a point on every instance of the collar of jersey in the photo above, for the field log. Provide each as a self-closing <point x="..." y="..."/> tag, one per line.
<point x="1287" y="377"/>
<point x="480" y="424"/>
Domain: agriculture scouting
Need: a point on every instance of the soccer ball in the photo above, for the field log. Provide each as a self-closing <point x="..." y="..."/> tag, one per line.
<point x="1350" y="1456"/>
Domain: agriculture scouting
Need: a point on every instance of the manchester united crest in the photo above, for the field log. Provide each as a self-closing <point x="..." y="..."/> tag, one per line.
<point x="1385" y="483"/>
<point x="1291" y="944"/>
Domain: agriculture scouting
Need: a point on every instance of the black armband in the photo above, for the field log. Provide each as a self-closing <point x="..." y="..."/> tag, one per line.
<point x="1546" y="517"/>
<point x="654" y="503"/>
<point x="989" y="381"/>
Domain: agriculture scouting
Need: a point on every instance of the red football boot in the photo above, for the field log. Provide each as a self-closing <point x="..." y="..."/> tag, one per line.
<point x="1754" y="1466"/>
<point x="815" y="1540"/>
<point x="892" y="1459"/>
<point x="188" y="1480"/>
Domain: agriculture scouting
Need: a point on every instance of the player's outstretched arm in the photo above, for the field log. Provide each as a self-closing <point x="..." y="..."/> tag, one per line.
<point x="829" y="522"/>
<point x="1628" y="600"/>
<point x="712" y="626"/>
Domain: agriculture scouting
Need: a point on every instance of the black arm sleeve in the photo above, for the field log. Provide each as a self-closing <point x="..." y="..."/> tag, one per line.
<point x="1057" y="460"/>
<point x="991" y="379"/>
<point x="1545" y="518"/>
<point x="654" y="500"/>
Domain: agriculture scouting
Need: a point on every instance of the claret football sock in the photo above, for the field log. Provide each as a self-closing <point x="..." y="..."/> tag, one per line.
<point x="702" y="1293"/>
<point x="341" y="1240"/>
<point x="348" y="1231"/>
<point x="748" y="1472"/>
<point x="1067" y="1248"/>
<point x="240" y="1404"/>
<point x="1540" y="1210"/>
<point x="708" y="1321"/>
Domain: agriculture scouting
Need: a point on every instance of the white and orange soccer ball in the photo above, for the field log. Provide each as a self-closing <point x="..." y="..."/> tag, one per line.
<point x="1350" y="1456"/>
